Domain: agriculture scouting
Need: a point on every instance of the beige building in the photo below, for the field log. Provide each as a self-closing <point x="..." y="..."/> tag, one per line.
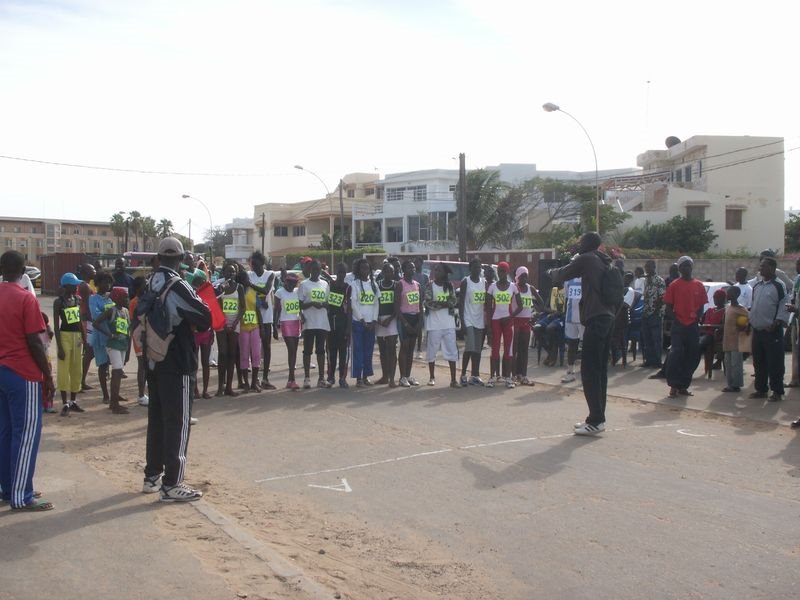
<point x="293" y="228"/>
<point x="36" y="237"/>
<point x="736" y="182"/>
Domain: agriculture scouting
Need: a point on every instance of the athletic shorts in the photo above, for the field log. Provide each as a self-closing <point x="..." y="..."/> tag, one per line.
<point x="473" y="339"/>
<point x="444" y="339"/>
<point x="290" y="329"/>
<point x="116" y="358"/>
<point x="413" y="319"/>
<point x="390" y="329"/>
<point x="314" y="338"/>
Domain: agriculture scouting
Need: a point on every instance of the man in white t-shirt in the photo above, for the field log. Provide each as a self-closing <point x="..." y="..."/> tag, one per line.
<point x="313" y="294"/>
<point x="263" y="282"/>
<point x="440" y="322"/>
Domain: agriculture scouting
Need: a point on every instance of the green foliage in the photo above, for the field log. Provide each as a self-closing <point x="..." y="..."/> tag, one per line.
<point x="325" y="244"/>
<point x="792" y="234"/>
<point x="370" y="233"/>
<point x="679" y="234"/>
<point x="325" y="255"/>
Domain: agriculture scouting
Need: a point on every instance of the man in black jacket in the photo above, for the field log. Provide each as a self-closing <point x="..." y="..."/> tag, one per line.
<point x="598" y="319"/>
<point x="172" y="381"/>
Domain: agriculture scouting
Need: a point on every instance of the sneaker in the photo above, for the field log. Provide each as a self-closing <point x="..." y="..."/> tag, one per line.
<point x="413" y="380"/>
<point x="266" y="385"/>
<point x="510" y="383"/>
<point x="360" y="383"/>
<point x="212" y="363"/>
<point x="193" y="421"/>
<point x="773" y="397"/>
<point x="419" y="355"/>
<point x="151" y="484"/>
<point x="475" y="380"/>
<point x="292" y="385"/>
<point x="568" y="378"/>
<point x="586" y="429"/>
<point x="75" y="407"/>
<point x="64" y="410"/>
<point x="455" y="384"/>
<point x="498" y="379"/>
<point x="143" y="400"/>
<point x="367" y="382"/>
<point x="307" y="383"/>
<point x="431" y="382"/>
<point x="312" y="366"/>
<point x="179" y="493"/>
<point x="343" y="384"/>
<point x="464" y="381"/>
<point x="489" y="383"/>
<point x="404" y="382"/>
<point x="323" y="384"/>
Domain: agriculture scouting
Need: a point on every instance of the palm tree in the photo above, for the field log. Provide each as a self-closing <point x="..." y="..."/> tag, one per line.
<point x="118" y="228"/>
<point x="148" y="226"/>
<point x="165" y="228"/>
<point x="135" y="220"/>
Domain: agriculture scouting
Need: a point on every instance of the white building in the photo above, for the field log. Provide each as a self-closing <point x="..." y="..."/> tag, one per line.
<point x="736" y="182"/>
<point x="242" y="234"/>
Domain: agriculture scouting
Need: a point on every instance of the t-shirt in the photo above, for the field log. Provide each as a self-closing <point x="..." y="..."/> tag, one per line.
<point x="475" y="303"/>
<point x="572" y="291"/>
<point x="439" y="318"/>
<point x="290" y="304"/>
<point x="22" y="317"/>
<point x="686" y="298"/>
<point x="713" y="316"/>
<point x="502" y="300"/>
<point x="264" y="304"/>
<point x="314" y="291"/>
<point x="746" y="297"/>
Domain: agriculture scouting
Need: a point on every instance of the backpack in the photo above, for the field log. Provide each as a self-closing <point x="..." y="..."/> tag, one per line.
<point x="612" y="290"/>
<point x="154" y="330"/>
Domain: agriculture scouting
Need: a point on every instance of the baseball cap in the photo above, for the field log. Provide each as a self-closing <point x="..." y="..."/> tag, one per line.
<point x="684" y="259"/>
<point x="170" y="246"/>
<point x="70" y="279"/>
<point x="503" y="265"/>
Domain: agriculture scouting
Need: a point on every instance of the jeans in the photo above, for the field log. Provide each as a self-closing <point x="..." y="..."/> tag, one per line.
<point x="594" y="366"/>
<point x="684" y="354"/>
<point x="651" y="339"/>
<point x="768" y="357"/>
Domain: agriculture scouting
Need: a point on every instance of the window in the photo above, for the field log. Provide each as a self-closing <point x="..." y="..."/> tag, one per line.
<point x="452" y="188"/>
<point x="110" y="245"/>
<point x="96" y="245"/>
<point x="104" y="233"/>
<point x="21" y="244"/>
<point x="76" y="231"/>
<point x="33" y="229"/>
<point x="696" y="212"/>
<point x="436" y="226"/>
<point x="17" y="229"/>
<point x="90" y="232"/>
<point x="351" y="193"/>
<point x="687" y="173"/>
<point x="417" y="193"/>
<point x="678" y="175"/>
<point x="40" y="243"/>
<point x="280" y="231"/>
<point x="369" y="191"/>
<point x="394" y="233"/>
<point x="699" y="169"/>
<point x="9" y="243"/>
<point x="299" y="230"/>
<point x="68" y="244"/>
<point x="83" y="244"/>
<point x="733" y="218"/>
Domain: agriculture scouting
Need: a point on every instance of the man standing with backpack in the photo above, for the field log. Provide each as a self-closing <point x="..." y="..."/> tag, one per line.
<point x="601" y="295"/>
<point x="171" y="381"/>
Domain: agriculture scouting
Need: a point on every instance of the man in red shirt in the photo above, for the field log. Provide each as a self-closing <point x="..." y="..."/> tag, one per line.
<point x="685" y="299"/>
<point x="24" y="375"/>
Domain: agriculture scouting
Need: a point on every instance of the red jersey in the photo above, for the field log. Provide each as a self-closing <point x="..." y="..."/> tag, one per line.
<point x="21" y="316"/>
<point x="686" y="298"/>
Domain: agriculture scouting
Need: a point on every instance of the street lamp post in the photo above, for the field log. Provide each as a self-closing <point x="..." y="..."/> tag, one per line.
<point x="550" y="107"/>
<point x="330" y="209"/>
<point x="210" y="223"/>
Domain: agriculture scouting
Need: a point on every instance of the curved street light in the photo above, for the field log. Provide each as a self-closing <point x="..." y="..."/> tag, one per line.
<point x="330" y="210"/>
<point x="550" y="107"/>
<point x="210" y="223"/>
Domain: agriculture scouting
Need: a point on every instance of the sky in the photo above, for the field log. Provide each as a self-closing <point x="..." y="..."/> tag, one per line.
<point x="248" y="89"/>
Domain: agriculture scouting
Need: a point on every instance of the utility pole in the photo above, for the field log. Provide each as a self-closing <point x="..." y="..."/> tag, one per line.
<point x="341" y="220"/>
<point x="462" y="206"/>
<point x="263" y="232"/>
<point x="191" y="243"/>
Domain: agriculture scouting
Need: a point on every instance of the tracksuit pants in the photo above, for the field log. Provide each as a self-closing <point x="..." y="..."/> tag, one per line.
<point x="594" y="366"/>
<point x="363" y="348"/>
<point x="168" y="415"/>
<point x="768" y="360"/>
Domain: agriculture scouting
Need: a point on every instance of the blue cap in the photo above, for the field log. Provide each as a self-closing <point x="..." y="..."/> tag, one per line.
<point x="70" y="279"/>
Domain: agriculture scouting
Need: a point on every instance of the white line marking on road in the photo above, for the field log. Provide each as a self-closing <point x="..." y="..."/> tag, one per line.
<point x="445" y="451"/>
<point x="342" y="487"/>
<point x="687" y="432"/>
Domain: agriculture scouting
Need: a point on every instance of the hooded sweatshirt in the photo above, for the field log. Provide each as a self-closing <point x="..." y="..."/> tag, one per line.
<point x="589" y="266"/>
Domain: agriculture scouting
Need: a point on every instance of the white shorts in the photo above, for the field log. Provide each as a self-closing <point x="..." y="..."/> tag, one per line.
<point x="116" y="358"/>
<point x="573" y="331"/>
<point x="391" y="329"/>
<point x="444" y="339"/>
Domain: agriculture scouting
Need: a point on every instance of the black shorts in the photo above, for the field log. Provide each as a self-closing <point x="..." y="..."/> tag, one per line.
<point x="413" y="319"/>
<point x="312" y="338"/>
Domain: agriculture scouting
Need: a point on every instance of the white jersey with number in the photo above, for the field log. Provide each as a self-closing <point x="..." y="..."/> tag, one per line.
<point x="475" y="303"/>
<point x="502" y="300"/>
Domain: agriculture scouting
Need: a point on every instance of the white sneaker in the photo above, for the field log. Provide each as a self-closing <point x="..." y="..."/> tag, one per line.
<point x="475" y="380"/>
<point x="419" y="355"/>
<point x="193" y="421"/>
<point x="413" y="381"/>
<point x="404" y="382"/>
<point x="144" y="400"/>
<point x="568" y="378"/>
<point x="151" y="484"/>
<point x="510" y="383"/>
<point x="489" y="383"/>
<point x="307" y="383"/>
<point x="431" y="382"/>
<point x="180" y="493"/>
<point x="586" y="429"/>
<point x="464" y="381"/>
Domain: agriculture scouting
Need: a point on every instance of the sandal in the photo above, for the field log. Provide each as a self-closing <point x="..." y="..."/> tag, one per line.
<point x="36" y="494"/>
<point x="35" y="506"/>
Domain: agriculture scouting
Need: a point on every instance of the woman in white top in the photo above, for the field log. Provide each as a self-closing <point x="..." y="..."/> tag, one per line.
<point x="263" y="282"/>
<point x="498" y="308"/>
<point x="527" y="297"/>
<point x="440" y="322"/>
<point x="364" y="305"/>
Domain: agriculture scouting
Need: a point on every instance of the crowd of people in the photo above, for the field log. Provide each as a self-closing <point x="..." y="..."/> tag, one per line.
<point x="103" y="317"/>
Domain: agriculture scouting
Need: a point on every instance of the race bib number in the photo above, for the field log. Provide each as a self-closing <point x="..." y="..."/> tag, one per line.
<point x="72" y="315"/>
<point x="527" y="301"/>
<point x="387" y="297"/>
<point x="292" y="307"/>
<point x="574" y="292"/>
<point x="478" y="297"/>
<point x="367" y="298"/>
<point x="502" y="298"/>
<point x="121" y="325"/>
<point x="412" y="297"/>
<point x="318" y="295"/>
<point x="108" y="306"/>
<point x="230" y="306"/>
<point x="335" y="299"/>
<point x="442" y="297"/>
<point x="249" y="317"/>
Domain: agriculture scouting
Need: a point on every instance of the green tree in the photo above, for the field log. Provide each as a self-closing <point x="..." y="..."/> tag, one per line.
<point x="135" y="224"/>
<point x="484" y="192"/>
<point x="165" y="228"/>
<point x="791" y="229"/>
<point x="149" y="231"/>
<point x="118" y="228"/>
<point x="679" y="234"/>
<point x="217" y="239"/>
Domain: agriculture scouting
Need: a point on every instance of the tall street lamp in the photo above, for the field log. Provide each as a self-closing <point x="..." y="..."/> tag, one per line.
<point x="211" y="225"/>
<point x="330" y="210"/>
<point x="550" y="107"/>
